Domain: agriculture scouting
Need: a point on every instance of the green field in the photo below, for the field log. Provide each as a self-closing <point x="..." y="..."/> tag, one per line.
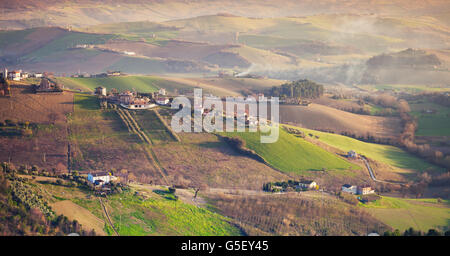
<point x="66" y="42"/>
<point x="144" y="84"/>
<point x="156" y="214"/>
<point x="421" y="214"/>
<point x="137" y="31"/>
<point x="391" y="155"/>
<point x="293" y="155"/>
<point x="431" y="124"/>
<point x="121" y="83"/>
<point x="159" y="214"/>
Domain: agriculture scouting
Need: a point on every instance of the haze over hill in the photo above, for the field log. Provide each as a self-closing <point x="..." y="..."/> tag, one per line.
<point x="31" y="13"/>
<point x="328" y="48"/>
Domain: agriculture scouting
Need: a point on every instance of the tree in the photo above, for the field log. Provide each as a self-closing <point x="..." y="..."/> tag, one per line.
<point x="433" y="232"/>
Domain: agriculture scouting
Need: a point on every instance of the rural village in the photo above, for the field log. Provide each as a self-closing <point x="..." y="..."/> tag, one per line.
<point x="87" y="107"/>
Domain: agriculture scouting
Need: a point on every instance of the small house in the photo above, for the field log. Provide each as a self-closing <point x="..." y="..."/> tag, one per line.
<point x="100" y="91"/>
<point x="352" y="154"/>
<point x="365" y="190"/>
<point x="162" y="92"/>
<point x="306" y="184"/>
<point x="352" y="189"/>
<point x="15" y="75"/>
<point x="113" y="73"/>
<point x="162" y="101"/>
<point x="139" y="103"/>
<point x="101" y="178"/>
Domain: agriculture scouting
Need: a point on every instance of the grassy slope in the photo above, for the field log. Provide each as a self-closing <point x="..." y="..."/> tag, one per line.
<point x="139" y="83"/>
<point x="66" y="42"/>
<point x="163" y="215"/>
<point x="384" y="153"/>
<point x="159" y="215"/>
<point x="421" y="214"/>
<point x="138" y="31"/>
<point x="131" y="215"/>
<point x="293" y="155"/>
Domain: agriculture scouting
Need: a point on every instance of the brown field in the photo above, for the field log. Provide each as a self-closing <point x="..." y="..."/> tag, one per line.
<point x="306" y="213"/>
<point x="321" y="117"/>
<point x="338" y="104"/>
<point x="175" y="49"/>
<point x="228" y="86"/>
<point x="47" y="147"/>
<point x="216" y="90"/>
<point x="75" y="212"/>
<point x="24" y="105"/>
<point x="202" y="159"/>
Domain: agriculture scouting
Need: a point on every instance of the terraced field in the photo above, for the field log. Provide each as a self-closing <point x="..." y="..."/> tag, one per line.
<point x="101" y="141"/>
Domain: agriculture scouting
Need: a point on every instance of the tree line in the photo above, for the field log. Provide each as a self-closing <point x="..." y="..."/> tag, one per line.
<point x="297" y="89"/>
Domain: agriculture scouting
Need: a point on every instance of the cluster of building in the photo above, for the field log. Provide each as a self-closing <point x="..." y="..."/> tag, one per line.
<point x="17" y="75"/>
<point x="132" y="100"/>
<point x="357" y="190"/>
<point x="301" y="185"/>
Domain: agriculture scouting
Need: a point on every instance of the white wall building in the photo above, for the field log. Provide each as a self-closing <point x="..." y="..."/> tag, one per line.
<point x="352" y="189"/>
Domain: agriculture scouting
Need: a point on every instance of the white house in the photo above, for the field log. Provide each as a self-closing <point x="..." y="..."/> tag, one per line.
<point x="365" y="190"/>
<point x="162" y="101"/>
<point x="101" y="178"/>
<point x="352" y="189"/>
<point x="15" y="75"/>
<point x="352" y="154"/>
<point x="307" y="184"/>
<point x="101" y="91"/>
<point x="38" y="75"/>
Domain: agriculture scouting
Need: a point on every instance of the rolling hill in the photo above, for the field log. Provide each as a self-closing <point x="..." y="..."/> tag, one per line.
<point x="293" y="155"/>
<point x="391" y="155"/>
<point x="23" y="14"/>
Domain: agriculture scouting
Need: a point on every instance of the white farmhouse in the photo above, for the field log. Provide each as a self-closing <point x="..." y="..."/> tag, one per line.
<point x="162" y="101"/>
<point x="101" y="178"/>
<point x="352" y="189"/>
<point x="307" y="184"/>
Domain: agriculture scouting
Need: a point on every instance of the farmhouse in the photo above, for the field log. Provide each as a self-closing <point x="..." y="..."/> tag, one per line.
<point x="162" y="91"/>
<point x="352" y="154"/>
<point x="357" y="190"/>
<point x="101" y="178"/>
<point x="100" y="91"/>
<point x="113" y="73"/>
<point x="162" y="101"/>
<point x="347" y="188"/>
<point x="139" y="103"/>
<point x="126" y="97"/>
<point x="15" y="75"/>
<point x="365" y="190"/>
<point x="47" y="86"/>
<point x="306" y="184"/>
